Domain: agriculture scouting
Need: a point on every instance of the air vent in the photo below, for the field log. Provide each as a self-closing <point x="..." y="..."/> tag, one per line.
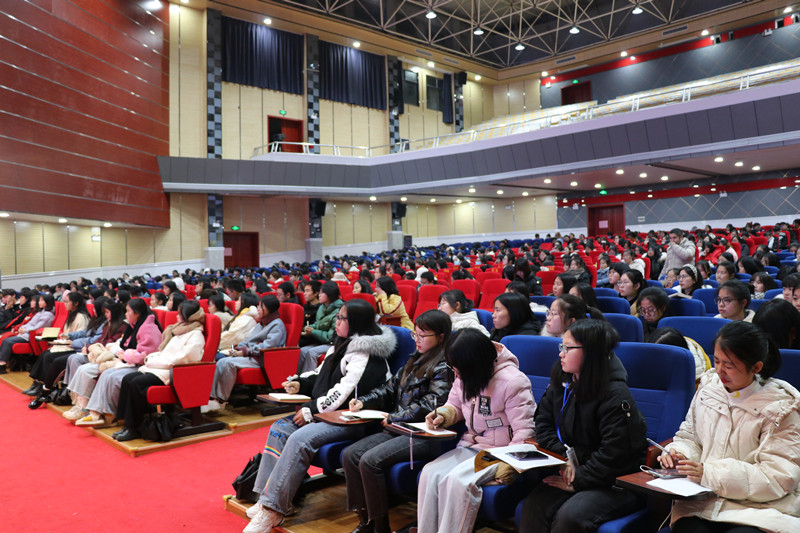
<point x="450" y="60"/>
<point x="673" y="31"/>
<point x="423" y="52"/>
<point x="565" y="60"/>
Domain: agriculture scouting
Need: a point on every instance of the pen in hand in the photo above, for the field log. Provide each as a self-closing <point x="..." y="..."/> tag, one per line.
<point x="657" y="445"/>
<point x="435" y="415"/>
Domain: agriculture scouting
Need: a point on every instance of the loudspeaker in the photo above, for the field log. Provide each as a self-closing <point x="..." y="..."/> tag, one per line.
<point x="398" y="210"/>
<point x="461" y="78"/>
<point x="316" y="207"/>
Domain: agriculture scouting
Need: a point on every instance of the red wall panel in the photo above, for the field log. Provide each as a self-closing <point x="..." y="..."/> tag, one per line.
<point x="84" y="109"/>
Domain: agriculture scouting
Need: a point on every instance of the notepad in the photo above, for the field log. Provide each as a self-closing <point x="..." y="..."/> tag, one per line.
<point x="284" y="397"/>
<point x="366" y="414"/>
<point x="502" y="453"/>
<point x="422" y="426"/>
<point x="680" y="486"/>
<point x="49" y="333"/>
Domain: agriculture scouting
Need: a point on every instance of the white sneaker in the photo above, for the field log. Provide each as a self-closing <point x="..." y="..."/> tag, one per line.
<point x="212" y="405"/>
<point x="252" y="511"/>
<point x="264" y="520"/>
<point x="76" y="413"/>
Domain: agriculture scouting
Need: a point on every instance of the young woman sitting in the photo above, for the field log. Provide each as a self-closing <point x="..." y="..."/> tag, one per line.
<point x="42" y="319"/>
<point x="456" y="305"/>
<point x="564" y="311"/>
<point x="513" y="316"/>
<point x="732" y="298"/>
<point x="216" y="306"/>
<point x="390" y="304"/>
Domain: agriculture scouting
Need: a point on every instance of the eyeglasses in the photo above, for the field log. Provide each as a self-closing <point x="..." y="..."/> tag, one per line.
<point x="648" y="311"/>
<point x="684" y="276"/>
<point x="549" y="313"/>
<point x="341" y="318"/>
<point x="724" y="301"/>
<point x="415" y="335"/>
<point x="623" y="282"/>
<point x="563" y="348"/>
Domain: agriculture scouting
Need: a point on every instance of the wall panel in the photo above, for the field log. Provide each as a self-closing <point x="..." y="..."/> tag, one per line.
<point x="83" y="252"/>
<point x="465" y="219"/>
<point x="296" y="231"/>
<point x="29" y="247"/>
<point x="362" y="223"/>
<point x="113" y="247"/>
<point x="188" y="115"/>
<point x="140" y="246"/>
<point x="7" y="237"/>
<point x="231" y="120"/>
<point x="55" y="250"/>
<point x="503" y="216"/>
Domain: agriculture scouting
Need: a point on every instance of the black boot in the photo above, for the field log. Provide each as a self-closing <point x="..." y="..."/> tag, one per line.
<point x="382" y="524"/>
<point x="34" y="389"/>
<point x="364" y="524"/>
<point x="40" y="399"/>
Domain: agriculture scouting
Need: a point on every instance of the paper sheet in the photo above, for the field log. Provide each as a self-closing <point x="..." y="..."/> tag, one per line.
<point x="679" y="486"/>
<point x="424" y="427"/>
<point x="282" y="396"/>
<point x="502" y="454"/>
<point x="366" y="414"/>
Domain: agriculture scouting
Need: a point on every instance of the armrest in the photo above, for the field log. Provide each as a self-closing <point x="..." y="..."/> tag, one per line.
<point x="192" y="383"/>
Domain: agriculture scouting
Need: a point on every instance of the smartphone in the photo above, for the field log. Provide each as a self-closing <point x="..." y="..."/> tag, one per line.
<point x="527" y="455"/>
<point x="665" y="473"/>
<point x="407" y="427"/>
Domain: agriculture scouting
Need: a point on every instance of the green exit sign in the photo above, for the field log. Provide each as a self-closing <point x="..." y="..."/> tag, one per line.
<point x="235" y="228"/>
<point x="282" y="112"/>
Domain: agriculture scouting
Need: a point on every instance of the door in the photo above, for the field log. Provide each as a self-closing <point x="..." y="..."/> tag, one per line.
<point x="604" y="219"/>
<point x="285" y="129"/>
<point x="576" y="93"/>
<point x="241" y="249"/>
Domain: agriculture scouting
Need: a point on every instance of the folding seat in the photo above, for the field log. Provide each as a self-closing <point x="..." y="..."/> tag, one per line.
<point x="490" y="289"/>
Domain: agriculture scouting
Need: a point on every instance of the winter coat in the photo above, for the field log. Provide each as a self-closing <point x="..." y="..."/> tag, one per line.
<point x="532" y="327"/>
<point x="750" y="454"/>
<point x="413" y="400"/>
<point x="224" y="318"/>
<point x="147" y="340"/>
<point x="467" y="320"/>
<point x="363" y="365"/>
<point x="262" y="337"/>
<point x="323" y="329"/>
<point x="679" y="255"/>
<point x="602" y="277"/>
<point x="42" y="319"/>
<point x="79" y="323"/>
<point x="185" y="348"/>
<point x="607" y="432"/>
<point x="393" y="306"/>
<point x="502" y="413"/>
<point x="239" y="329"/>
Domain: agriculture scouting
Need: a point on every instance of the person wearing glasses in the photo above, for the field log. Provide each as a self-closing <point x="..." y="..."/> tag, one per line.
<point x="732" y="299"/>
<point x="357" y="361"/>
<point x="689" y="280"/>
<point x="630" y="286"/>
<point x="587" y="414"/>
<point x="493" y="398"/>
<point x="420" y="386"/>
<point x="653" y="304"/>
<point x="565" y="311"/>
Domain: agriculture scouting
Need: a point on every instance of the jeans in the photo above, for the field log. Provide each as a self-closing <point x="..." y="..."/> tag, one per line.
<point x="225" y="375"/>
<point x="287" y="456"/>
<point x="698" y="525"/>
<point x="548" y="509"/>
<point x="364" y="463"/>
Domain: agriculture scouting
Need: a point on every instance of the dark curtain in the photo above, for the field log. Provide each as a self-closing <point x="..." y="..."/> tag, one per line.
<point x="399" y="100"/>
<point x="446" y="96"/>
<point x="350" y="76"/>
<point x="258" y="56"/>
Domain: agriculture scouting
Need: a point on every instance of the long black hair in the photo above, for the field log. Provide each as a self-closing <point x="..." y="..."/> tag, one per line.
<point x="79" y="307"/>
<point x="420" y="365"/>
<point x="750" y="345"/>
<point x="139" y="307"/>
<point x="598" y="339"/>
<point x="457" y="300"/>
<point x="780" y="320"/>
<point x="387" y="285"/>
<point x="473" y="355"/>
<point x="360" y="321"/>
<point x="99" y="317"/>
<point x="519" y="310"/>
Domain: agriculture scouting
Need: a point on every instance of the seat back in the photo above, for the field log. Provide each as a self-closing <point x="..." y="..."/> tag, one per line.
<point x="428" y="298"/>
<point x="485" y="318"/>
<point x="491" y="289"/>
<point x="536" y="356"/>
<point x="610" y="304"/>
<point x="409" y="296"/>
<point x="546" y="301"/>
<point x="292" y="316"/>
<point x="772" y="293"/>
<point x="790" y="367"/>
<point x="363" y="296"/>
<point x="707" y="297"/>
<point x="405" y="347"/>
<point x="203" y="304"/>
<point x="470" y="287"/>
<point x="628" y="326"/>
<point x="686" y="307"/>
<point x="170" y="317"/>
<point x="606" y="292"/>
<point x="701" y="329"/>
<point x="59" y="315"/>
<point x="661" y="380"/>
<point x="212" y="331"/>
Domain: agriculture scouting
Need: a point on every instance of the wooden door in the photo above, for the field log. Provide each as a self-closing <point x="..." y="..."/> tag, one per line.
<point x="241" y="249"/>
<point x="576" y="93"/>
<point x="289" y="130"/>
<point x="604" y="219"/>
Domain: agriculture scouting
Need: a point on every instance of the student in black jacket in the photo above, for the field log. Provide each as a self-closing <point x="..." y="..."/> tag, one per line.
<point x="513" y="316"/>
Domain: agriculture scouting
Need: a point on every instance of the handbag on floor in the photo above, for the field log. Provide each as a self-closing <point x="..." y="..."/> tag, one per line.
<point x="244" y="482"/>
<point x="160" y="426"/>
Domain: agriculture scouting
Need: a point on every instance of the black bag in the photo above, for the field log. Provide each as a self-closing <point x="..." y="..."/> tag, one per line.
<point x="244" y="482"/>
<point x="160" y="427"/>
<point x="61" y="395"/>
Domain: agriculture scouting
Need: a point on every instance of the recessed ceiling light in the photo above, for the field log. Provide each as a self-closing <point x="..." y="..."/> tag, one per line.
<point x="704" y="33"/>
<point x="719" y="159"/>
<point x="499" y="191"/>
<point x="548" y="180"/>
<point x="633" y="58"/>
<point x="598" y="186"/>
<point x="4" y="215"/>
<point x="664" y="178"/>
<point x="415" y="70"/>
<point x="713" y="189"/>
<point x="637" y="10"/>
<point x="478" y="31"/>
<point x="403" y="199"/>
<point x="544" y="73"/>
<point x="783" y="187"/>
<point x="525" y="193"/>
<point x="697" y="196"/>
<point x="472" y="189"/>
<point x="433" y="200"/>
<point x="267" y="21"/>
<point x="185" y="1"/>
<point x="356" y="44"/>
<point x="62" y="220"/>
<point x="373" y="198"/>
<point x="739" y="164"/>
<point x="520" y="47"/>
<point x="573" y="184"/>
<point x="620" y="171"/>
<point x="695" y="186"/>
<point x="756" y="168"/>
<point x="459" y="201"/>
<point x="552" y="78"/>
<point x="643" y="175"/>
<point x="787" y="10"/>
<point x="649" y="195"/>
<point x="624" y="53"/>
<point x="574" y="30"/>
<point x="477" y="77"/>
<point x="430" y="14"/>
<point x="632" y="192"/>
<point x="107" y="225"/>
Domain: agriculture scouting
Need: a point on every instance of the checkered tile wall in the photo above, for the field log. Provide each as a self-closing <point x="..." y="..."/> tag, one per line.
<point x="394" y="81"/>
<point x="214" y="83"/>
<point x="458" y="94"/>
<point x="215" y="228"/>
<point x="312" y="90"/>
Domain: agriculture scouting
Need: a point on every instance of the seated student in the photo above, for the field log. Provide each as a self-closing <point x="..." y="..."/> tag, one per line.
<point x="689" y="280"/>
<point x="361" y="286"/>
<point x="603" y="267"/>
<point x="158" y="301"/>
<point x="311" y="294"/>
<point x="761" y="282"/>
<point x="780" y="320"/>
<point x="732" y="298"/>
<point x="739" y="440"/>
<point x="182" y="342"/>
<point x="524" y="273"/>
<point x="389" y="302"/>
<point x="357" y="360"/>
<point x="671" y="277"/>
<point x="653" y="305"/>
<point x="629" y="258"/>
<point x="725" y="271"/>
<point x="456" y="305"/>
<point x="270" y="332"/>
<point x="51" y="362"/>
<point x="586" y="408"/>
<point x="421" y="385"/>
<point x="513" y="316"/>
<point x="494" y="398"/>
<point x="630" y="286"/>
<point x="615" y="272"/>
<point x="318" y="336"/>
<point x="427" y="278"/>
<point x="216" y="306"/>
<point x="242" y="325"/>
<point x="585" y="292"/>
<point x="11" y="308"/>
<point x="41" y="319"/>
<point x="112" y="361"/>
<point x="563" y="283"/>
<point x="673" y="337"/>
<point x="285" y="293"/>
<point x="564" y="311"/>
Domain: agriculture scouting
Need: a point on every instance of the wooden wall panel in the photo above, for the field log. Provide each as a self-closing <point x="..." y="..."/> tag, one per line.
<point x="251" y="122"/>
<point x="296" y="227"/>
<point x="232" y="117"/>
<point x="378" y="128"/>
<point x="546" y="217"/>
<point x="445" y="219"/>
<point x="504" y="221"/>
<point x="140" y="246"/>
<point x="169" y="244"/>
<point x="362" y="223"/>
<point x="523" y="213"/>
<point x="516" y="100"/>
<point x="55" y="249"/>
<point x="484" y="219"/>
<point x="275" y="217"/>
<point x="188" y="108"/>
<point x="8" y="258"/>
<point x="193" y="223"/>
<point x="464" y="219"/>
<point x="344" y="223"/>
<point x="329" y="224"/>
<point x="29" y="247"/>
<point x="83" y="251"/>
<point x="326" y="128"/>
<point x="113" y="247"/>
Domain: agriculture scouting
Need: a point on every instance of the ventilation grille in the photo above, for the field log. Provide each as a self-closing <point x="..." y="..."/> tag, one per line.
<point x="423" y="52"/>
<point x="673" y="31"/>
<point x="565" y="60"/>
<point x="450" y="60"/>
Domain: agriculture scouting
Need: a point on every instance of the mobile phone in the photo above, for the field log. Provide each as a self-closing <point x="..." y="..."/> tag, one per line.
<point x="664" y="473"/>
<point x="407" y="427"/>
<point x="527" y="455"/>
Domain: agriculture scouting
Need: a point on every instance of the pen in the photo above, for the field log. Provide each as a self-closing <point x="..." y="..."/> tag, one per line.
<point x="657" y="445"/>
<point x="435" y="414"/>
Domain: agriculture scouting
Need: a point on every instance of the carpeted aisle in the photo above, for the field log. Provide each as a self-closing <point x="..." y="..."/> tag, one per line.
<point x="55" y="477"/>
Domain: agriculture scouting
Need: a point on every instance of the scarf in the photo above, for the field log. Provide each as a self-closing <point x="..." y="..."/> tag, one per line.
<point x="129" y="336"/>
<point x="270" y="318"/>
<point x="196" y="321"/>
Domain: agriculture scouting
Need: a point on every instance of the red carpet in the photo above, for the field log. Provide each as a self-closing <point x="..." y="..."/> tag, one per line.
<point x="55" y="477"/>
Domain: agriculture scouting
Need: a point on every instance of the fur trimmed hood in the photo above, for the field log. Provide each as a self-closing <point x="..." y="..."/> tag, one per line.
<point x="382" y="345"/>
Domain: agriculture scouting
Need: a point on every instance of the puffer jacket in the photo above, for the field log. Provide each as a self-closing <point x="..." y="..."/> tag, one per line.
<point x="185" y="348"/>
<point x="324" y="327"/>
<point x="607" y="432"/>
<point x="240" y="328"/>
<point x="750" y="454"/>
<point x="502" y="413"/>
<point x="679" y="254"/>
<point x="412" y="400"/>
<point x="363" y="364"/>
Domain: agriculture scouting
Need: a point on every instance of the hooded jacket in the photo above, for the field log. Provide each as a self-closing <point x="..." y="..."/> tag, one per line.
<point x="187" y="347"/>
<point x="750" y="454"/>
<point x="363" y="363"/>
<point x="240" y="328"/>
<point x="323" y="328"/>
<point x="607" y="432"/>
<point x="270" y="335"/>
<point x="502" y="413"/>
<point x="679" y="254"/>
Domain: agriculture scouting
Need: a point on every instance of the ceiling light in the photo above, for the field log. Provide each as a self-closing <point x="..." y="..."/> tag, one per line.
<point x="565" y="200"/>
<point x="664" y="178"/>
<point x="704" y="33"/>
<point x="633" y="58"/>
<point x="459" y="201"/>
<point x="719" y="159"/>
<point x="787" y="10"/>
<point x="552" y="77"/>
<point x="403" y="199"/>
<point x="548" y="180"/>
<point x="430" y="14"/>
<point x="632" y="192"/>
<point x="107" y="225"/>
<point x="185" y="1"/>
<point x="695" y="186"/>
<point x="624" y="53"/>
<point x="637" y="10"/>
<point x="356" y="44"/>
<point x="478" y="31"/>
<point x="713" y="189"/>
<point x="783" y="187"/>
<point x="520" y="47"/>
<point x="62" y="220"/>
<point x="477" y="77"/>
<point x="649" y="195"/>
<point x="525" y="193"/>
<point x="598" y="186"/>
<point x="174" y="8"/>
<point x="472" y="189"/>
<point x="4" y="215"/>
<point x="643" y="175"/>
<point x="267" y="21"/>
<point x="415" y="70"/>
<point x="431" y="64"/>
<point x="756" y="168"/>
<point x="697" y="196"/>
<point x="544" y="73"/>
<point x="739" y="164"/>
<point x="499" y="191"/>
<point x="620" y="171"/>
<point x="573" y="184"/>
<point x="574" y="30"/>
<point x="433" y="200"/>
<point x="373" y="198"/>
